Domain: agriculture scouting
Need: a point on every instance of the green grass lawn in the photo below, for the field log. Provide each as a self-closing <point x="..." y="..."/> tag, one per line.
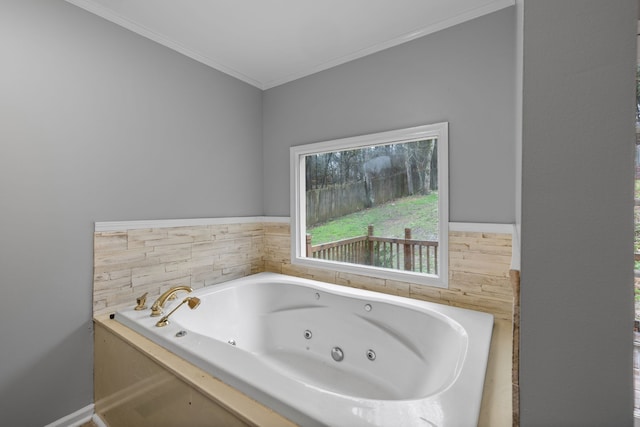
<point x="420" y="213"/>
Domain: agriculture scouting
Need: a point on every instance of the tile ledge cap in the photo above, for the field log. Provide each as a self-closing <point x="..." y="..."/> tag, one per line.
<point x="103" y="226"/>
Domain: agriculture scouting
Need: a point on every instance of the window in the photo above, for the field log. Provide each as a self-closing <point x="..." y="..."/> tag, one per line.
<point x="374" y="205"/>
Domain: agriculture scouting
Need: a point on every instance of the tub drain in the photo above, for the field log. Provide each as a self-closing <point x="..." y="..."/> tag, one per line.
<point x="232" y="342"/>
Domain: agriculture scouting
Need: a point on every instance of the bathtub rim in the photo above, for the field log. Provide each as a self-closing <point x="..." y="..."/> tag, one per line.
<point x="241" y="405"/>
<point x="445" y="310"/>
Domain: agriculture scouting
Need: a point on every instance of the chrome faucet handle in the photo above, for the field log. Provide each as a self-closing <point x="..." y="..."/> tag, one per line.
<point x="141" y="300"/>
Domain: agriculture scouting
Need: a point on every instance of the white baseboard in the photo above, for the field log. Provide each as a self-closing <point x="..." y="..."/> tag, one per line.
<point x="98" y="421"/>
<point x="76" y="419"/>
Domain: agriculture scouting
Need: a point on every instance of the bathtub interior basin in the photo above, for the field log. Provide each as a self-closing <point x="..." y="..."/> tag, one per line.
<point x="294" y="329"/>
<point x="323" y="354"/>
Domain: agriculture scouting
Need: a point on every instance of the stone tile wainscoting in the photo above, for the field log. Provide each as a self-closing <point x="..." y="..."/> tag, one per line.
<point x="134" y="258"/>
<point x="479" y="264"/>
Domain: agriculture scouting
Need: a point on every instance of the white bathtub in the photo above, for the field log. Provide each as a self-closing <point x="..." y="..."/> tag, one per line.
<point x="273" y="337"/>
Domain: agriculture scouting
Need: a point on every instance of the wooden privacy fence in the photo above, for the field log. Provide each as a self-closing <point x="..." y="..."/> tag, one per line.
<point x="339" y="200"/>
<point x="400" y="254"/>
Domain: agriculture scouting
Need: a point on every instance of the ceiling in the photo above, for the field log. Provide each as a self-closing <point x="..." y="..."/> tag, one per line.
<point x="270" y="42"/>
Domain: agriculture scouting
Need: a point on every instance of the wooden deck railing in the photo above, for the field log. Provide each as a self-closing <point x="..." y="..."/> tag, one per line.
<point x="401" y="254"/>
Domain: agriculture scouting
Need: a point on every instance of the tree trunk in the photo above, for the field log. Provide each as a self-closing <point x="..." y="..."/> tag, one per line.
<point x="407" y="165"/>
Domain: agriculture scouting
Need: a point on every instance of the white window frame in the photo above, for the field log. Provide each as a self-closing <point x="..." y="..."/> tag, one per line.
<point x="298" y="202"/>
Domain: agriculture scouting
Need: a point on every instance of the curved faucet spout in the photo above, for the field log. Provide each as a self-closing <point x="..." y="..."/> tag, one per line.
<point x="156" y="308"/>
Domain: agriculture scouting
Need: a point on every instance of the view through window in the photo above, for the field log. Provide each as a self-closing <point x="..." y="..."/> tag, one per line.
<point x="374" y="203"/>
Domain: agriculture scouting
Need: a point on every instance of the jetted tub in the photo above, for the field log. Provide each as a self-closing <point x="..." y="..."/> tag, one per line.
<point x="322" y="354"/>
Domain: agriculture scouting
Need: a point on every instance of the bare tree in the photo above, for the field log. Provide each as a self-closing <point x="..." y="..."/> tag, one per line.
<point x="423" y="155"/>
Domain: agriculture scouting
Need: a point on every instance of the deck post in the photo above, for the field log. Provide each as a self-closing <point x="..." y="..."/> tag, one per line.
<point x="408" y="259"/>
<point x="309" y="253"/>
<point x="370" y="245"/>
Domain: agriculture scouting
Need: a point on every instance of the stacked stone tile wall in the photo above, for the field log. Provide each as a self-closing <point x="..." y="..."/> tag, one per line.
<point x="131" y="262"/>
<point x="479" y="265"/>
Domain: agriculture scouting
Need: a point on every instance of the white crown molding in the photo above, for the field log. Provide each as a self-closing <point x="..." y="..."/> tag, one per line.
<point x="105" y="226"/>
<point x="110" y="15"/>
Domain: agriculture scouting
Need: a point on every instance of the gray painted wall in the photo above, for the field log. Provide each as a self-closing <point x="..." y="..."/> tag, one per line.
<point x="97" y="124"/>
<point x="577" y="220"/>
<point x="577" y="151"/>
<point x="93" y="120"/>
<point x="464" y="75"/>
